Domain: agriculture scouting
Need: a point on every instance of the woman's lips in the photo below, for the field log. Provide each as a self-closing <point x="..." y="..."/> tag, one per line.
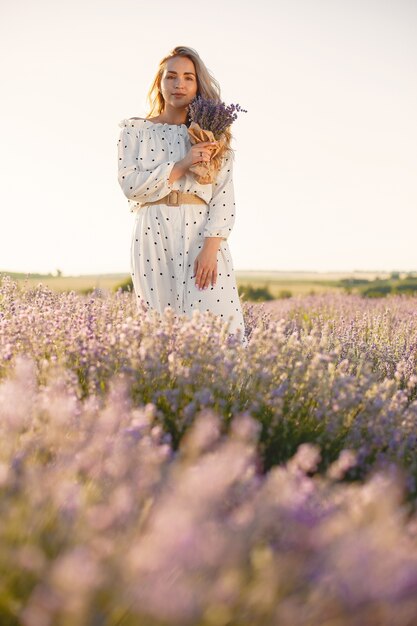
<point x="179" y="95"/>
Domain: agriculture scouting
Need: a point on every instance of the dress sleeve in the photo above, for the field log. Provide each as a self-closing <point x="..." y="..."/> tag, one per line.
<point x="221" y="214"/>
<point x="139" y="184"/>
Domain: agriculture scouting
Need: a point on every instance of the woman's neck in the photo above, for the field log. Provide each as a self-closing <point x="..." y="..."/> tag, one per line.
<point x="173" y="116"/>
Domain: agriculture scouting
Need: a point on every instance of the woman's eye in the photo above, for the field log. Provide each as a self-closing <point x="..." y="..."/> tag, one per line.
<point x="188" y="77"/>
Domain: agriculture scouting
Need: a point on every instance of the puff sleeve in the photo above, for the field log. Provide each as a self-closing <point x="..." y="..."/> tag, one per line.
<point x="221" y="214"/>
<point x="138" y="183"/>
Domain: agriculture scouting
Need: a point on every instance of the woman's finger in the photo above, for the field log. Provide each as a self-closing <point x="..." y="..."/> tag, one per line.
<point x="202" y="279"/>
<point x="203" y="150"/>
<point x="199" y="277"/>
<point x="202" y="155"/>
<point x="214" y="277"/>
<point x="207" y="281"/>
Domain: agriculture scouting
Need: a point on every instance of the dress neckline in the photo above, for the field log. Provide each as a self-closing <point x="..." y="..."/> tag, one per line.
<point x="161" y="123"/>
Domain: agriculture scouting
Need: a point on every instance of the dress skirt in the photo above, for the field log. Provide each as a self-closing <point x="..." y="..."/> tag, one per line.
<point x="165" y="243"/>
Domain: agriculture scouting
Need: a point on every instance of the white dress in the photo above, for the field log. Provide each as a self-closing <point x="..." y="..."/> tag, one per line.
<point x="166" y="239"/>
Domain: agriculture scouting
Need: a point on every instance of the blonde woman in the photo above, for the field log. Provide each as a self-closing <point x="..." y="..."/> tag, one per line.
<point x="179" y="253"/>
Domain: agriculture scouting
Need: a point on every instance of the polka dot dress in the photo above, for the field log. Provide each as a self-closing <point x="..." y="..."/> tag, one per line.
<point x="167" y="239"/>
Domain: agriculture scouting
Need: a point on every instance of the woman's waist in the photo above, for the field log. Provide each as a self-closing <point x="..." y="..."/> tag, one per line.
<point x="177" y="197"/>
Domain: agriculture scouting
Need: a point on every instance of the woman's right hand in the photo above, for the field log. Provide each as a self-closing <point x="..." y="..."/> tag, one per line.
<point x="197" y="153"/>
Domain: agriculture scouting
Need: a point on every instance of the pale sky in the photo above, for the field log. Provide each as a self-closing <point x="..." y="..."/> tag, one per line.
<point x="325" y="170"/>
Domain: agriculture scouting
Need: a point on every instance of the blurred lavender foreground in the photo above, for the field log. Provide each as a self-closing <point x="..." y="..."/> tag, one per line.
<point x="155" y="472"/>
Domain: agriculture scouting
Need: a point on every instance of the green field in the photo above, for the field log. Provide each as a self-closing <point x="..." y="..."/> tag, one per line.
<point x="275" y="281"/>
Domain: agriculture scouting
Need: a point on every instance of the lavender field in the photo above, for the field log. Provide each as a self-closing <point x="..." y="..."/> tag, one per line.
<point x="154" y="471"/>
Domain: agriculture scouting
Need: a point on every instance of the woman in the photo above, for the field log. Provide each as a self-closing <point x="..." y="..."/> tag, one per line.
<point x="179" y="254"/>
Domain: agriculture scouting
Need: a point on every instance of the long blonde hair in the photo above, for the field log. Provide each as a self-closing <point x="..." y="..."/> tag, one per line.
<point x="207" y="85"/>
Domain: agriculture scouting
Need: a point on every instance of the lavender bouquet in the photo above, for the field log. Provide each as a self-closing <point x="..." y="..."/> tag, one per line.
<point x="209" y="120"/>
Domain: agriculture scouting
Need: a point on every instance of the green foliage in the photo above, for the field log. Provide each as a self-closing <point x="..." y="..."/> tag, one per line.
<point x="408" y="286"/>
<point x="383" y="288"/>
<point x="284" y="293"/>
<point x="379" y="288"/>
<point x="349" y="283"/>
<point x="377" y="291"/>
<point x="125" y="285"/>
<point x="255" y="294"/>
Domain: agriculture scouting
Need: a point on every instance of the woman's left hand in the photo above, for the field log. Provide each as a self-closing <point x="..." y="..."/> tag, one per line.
<point x="205" y="264"/>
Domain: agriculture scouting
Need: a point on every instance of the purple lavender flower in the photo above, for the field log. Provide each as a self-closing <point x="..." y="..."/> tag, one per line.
<point x="213" y="115"/>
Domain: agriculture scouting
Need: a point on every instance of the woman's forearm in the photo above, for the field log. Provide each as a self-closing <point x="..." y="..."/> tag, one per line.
<point x="212" y="243"/>
<point x="177" y="171"/>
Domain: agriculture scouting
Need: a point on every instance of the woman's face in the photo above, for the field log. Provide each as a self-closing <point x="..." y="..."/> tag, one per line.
<point x="179" y="77"/>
